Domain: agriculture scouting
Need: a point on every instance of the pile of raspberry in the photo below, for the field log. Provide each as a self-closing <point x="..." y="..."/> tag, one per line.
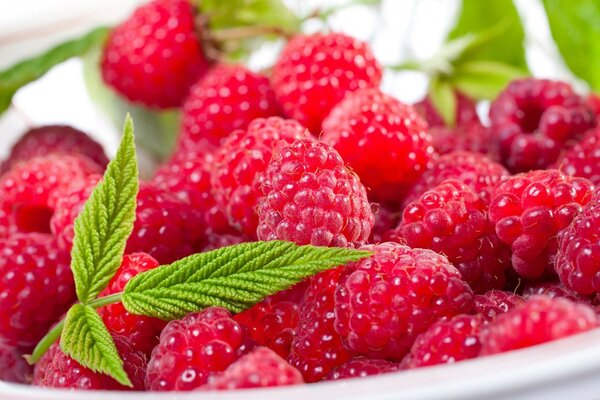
<point x="485" y="238"/>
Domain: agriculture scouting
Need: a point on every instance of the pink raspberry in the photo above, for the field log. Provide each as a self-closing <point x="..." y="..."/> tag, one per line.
<point x="193" y="348"/>
<point x="155" y="55"/>
<point x="273" y="321"/>
<point x="36" y="287"/>
<point x="13" y="367"/>
<point x="317" y="348"/>
<point x="26" y="190"/>
<point x="583" y="159"/>
<point x="474" y="169"/>
<point x="452" y="220"/>
<point x="259" y="368"/>
<point x="384" y="302"/>
<point x="495" y="302"/>
<point x="55" y="139"/>
<point x="466" y="112"/>
<point x="360" y="367"/>
<point x="533" y="119"/>
<point x="314" y="72"/>
<point x="239" y="165"/>
<point x="227" y="98"/>
<point x="530" y="209"/>
<point x="367" y="121"/>
<point x="142" y="332"/>
<point x="471" y="137"/>
<point x="310" y="197"/>
<point x="57" y="370"/>
<point x="540" y="319"/>
<point x="446" y="341"/>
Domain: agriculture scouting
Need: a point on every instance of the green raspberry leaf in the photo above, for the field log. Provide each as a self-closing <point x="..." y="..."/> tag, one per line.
<point x="106" y="221"/>
<point x="484" y="79"/>
<point x="443" y="99"/>
<point x="575" y="26"/>
<point x="86" y="340"/>
<point x="234" y="277"/>
<point x="31" y="69"/>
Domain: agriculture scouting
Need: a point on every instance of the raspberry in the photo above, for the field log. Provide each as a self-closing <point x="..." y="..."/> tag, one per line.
<point x="367" y="121"/>
<point x="229" y="97"/>
<point x="583" y="159"/>
<point x="310" y="197"/>
<point x="55" y="139"/>
<point x="314" y="72"/>
<point x="541" y="319"/>
<point x="473" y="169"/>
<point x="56" y="369"/>
<point x="273" y="321"/>
<point x="260" y="368"/>
<point x="384" y="302"/>
<point x="13" y="367"/>
<point x="26" y="190"/>
<point x="194" y="348"/>
<point x="533" y="119"/>
<point x="141" y="331"/>
<point x="317" y="348"/>
<point x="557" y="289"/>
<point x="530" y="209"/>
<point x="385" y="220"/>
<point x="495" y="302"/>
<point x="452" y="220"/>
<point x="216" y="241"/>
<point x="239" y="165"/>
<point x="472" y="137"/>
<point x="360" y="367"/>
<point x="155" y="55"/>
<point x="578" y="259"/>
<point x="36" y="287"/>
<point x="593" y="102"/>
<point x="446" y="341"/>
<point x="466" y="112"/>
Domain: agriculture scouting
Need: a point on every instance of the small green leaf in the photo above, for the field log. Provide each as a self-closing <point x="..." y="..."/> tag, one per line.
<point x="106" y="221"/>
<point x="483" y="79"/>
<point x="85" y="339"/>
<point x="235" y="277"/>
<point x="443" y="99"/>
<point x="575" y="27"/>
<point x="236" y="13"/>
<point x="500" y="22"/>
<point x="29" y="70"/>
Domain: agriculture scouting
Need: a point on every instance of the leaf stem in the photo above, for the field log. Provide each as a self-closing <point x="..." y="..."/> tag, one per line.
<point x="106" y="300"/>
<point x="245" y="32"/>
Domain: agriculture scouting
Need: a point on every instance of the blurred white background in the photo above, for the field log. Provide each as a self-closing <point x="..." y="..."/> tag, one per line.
<point x="398" y="30"/>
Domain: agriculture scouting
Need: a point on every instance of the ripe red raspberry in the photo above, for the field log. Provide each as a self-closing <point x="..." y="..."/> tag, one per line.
<point x="141" y="331"/>
<point x="239" y="165"/>
<point x="466" y="112"/>
<point x="473" y="137"/>
<point x="227" y="98"/>
<point x="360" y="367"/>
<point x="530" y="209"/>
<point x="273" y="321"/>
<point x="57" y="370"/>
<point x="314" y="72"/>
<point x="540" y="319"/>
<point x="452" y="220"/>
<point x="446" y="341"/>
<point x="259" y="368"/>
<point x="193" y="348"/>
<point x="55" y="139"/>
<point x="473" y="169"/>
<point x="495" y="302"/>
<point x="367" y="121"/>
<point x="385" y="220"/>
<point x="384" y="302"/>
<point x="36" y="287"/>
<point x="310" y="197"/>
<point x="593" y="102"/>
<point x="13" y="367"/>
<point x="155" y="55"/>
<point x="216" y="241"/>
<point x="583" y="159"/>
<point x="557" y="289"/>
<point x="317" y="348"/>
<point x="533" y="119"/>
<point x="26" y="190"/>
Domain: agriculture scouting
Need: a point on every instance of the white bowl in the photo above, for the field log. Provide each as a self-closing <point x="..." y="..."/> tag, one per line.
<point x="565" y="369"/>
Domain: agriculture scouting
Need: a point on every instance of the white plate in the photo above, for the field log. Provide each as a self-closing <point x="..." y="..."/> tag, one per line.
<point x="565" y="369"/>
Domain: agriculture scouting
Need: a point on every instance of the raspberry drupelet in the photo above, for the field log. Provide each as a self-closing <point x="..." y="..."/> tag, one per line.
<point x="360" y="367"/>
<point x="583" y="159"/>
<point x="495" y="302"/>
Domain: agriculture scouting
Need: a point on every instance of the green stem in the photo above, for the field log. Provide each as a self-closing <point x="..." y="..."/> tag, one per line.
<point x="54" y="334"/>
